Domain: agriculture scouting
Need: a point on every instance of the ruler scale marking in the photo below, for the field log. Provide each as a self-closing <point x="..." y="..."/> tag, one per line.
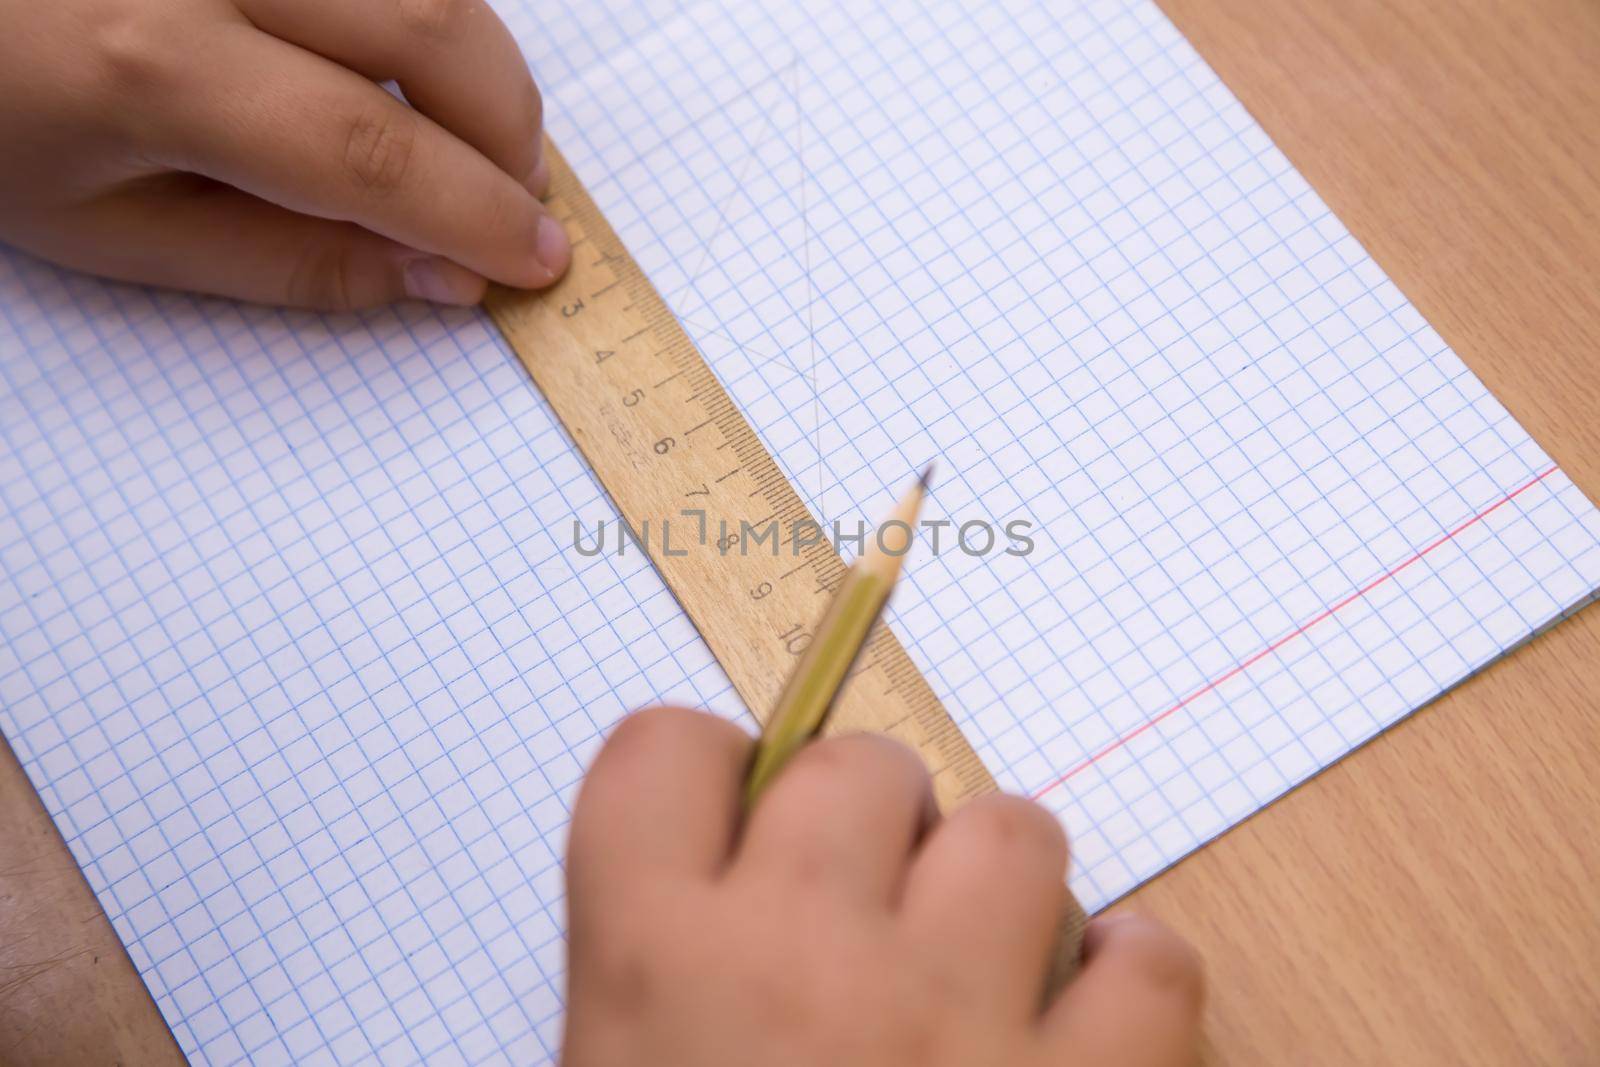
<point x="576" y="340"/>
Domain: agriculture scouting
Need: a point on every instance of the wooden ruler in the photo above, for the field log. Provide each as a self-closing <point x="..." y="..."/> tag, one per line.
<point x="670" y="447"/>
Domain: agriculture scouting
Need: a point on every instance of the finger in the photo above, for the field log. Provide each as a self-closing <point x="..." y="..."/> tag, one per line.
<point x="197" y="235"/>
<point x="986" y="893"/>
<point x="454" y="59"/>
<point x="1136" y="1002"/>
<point x="843" y="816"/>
<point x="663" y="796"/>
<point x="317" y="138"/>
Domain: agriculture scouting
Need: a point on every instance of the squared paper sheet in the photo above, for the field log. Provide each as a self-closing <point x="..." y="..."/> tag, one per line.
<point x="295" y="647"/>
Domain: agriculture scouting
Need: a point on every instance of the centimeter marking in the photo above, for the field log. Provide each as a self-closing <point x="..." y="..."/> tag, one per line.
<point x="673" y="451"/>
<point x="677" y="457"/>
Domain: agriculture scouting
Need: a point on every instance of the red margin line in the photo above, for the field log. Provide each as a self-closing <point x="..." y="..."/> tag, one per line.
<point x="1245" y="665"/>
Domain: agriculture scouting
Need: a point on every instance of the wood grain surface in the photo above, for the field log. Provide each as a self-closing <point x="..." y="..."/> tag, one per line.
<point x="1431" y="899"/>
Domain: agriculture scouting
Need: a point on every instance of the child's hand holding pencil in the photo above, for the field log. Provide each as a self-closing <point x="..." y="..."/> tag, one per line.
<point x="842" y="923"/>
<point x="802" y="902"/>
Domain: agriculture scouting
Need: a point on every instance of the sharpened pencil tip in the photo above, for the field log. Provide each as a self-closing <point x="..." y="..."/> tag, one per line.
<point x="926" y="477"/>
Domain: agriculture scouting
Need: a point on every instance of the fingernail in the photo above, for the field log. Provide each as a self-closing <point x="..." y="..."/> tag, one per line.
<point x="539" y="178"/>
<point x="551" y="247"/>
<point x="440" y="282"/>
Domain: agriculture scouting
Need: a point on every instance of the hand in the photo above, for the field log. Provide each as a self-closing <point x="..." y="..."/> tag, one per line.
<point x="843" y="924"/>
<point x="244" y="147"/>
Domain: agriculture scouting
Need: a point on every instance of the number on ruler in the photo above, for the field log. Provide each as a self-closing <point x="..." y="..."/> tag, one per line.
<point x="795" y="639"/>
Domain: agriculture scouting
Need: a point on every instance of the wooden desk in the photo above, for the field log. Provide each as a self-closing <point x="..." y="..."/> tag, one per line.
<point x="1432" y="898"/>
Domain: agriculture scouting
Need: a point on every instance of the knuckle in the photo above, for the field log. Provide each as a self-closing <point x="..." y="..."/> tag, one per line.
<point x="1014" y="824"/>
<point x="529" y="112"/>
<point x="133" y="52"/>
<point x="378" y="150"/>
<point x="527" y="150"/>
<point x="644" y="733"/>
<point x="1173" y="965"/>
<point x="535" y="106"/>
<point x="1165" y="961"/>
<point x="511" y="219"/>
<point x="649" y="724"/>
<point x="870" y="756"/>
<point x="435" y="20"/>
<point x="323" y="278"/>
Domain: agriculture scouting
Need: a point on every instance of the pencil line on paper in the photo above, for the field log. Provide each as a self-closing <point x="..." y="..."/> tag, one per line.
<point x="811" y="289"/>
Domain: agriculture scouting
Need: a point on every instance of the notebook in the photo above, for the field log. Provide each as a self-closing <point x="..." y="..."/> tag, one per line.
<point x="296" y="646"/>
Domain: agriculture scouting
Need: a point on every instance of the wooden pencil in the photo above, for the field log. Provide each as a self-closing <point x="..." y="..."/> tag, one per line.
<point x="803" y="705"/>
